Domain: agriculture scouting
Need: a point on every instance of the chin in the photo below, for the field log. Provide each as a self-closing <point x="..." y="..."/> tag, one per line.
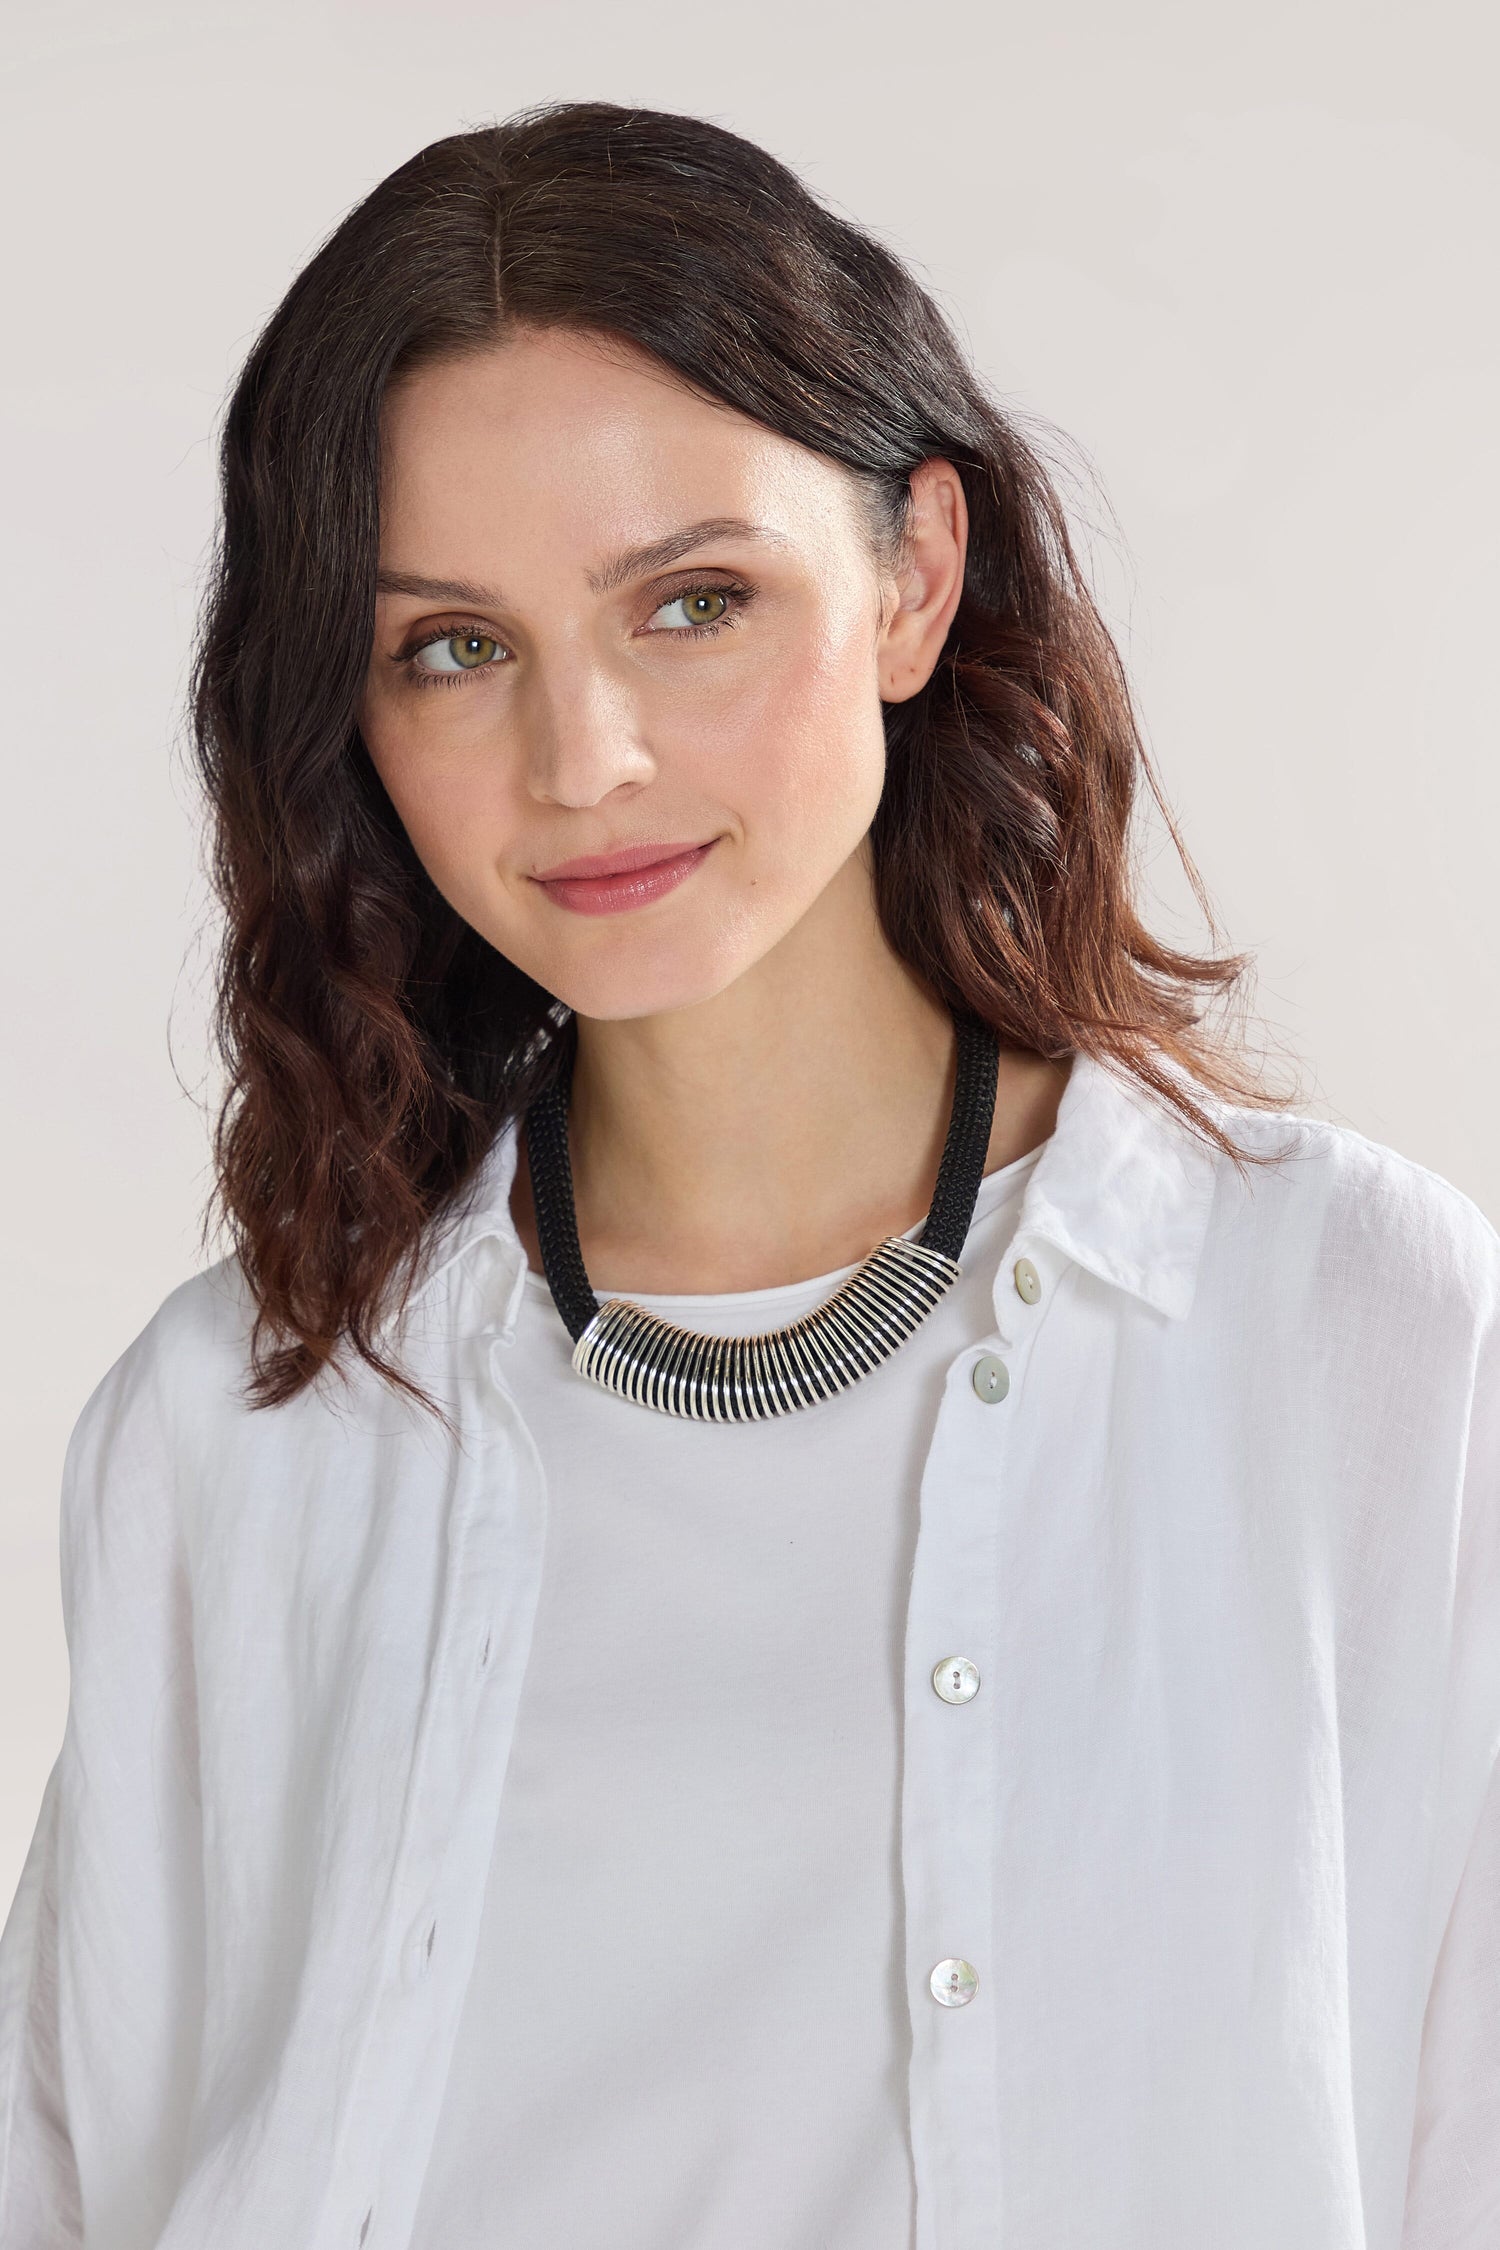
<point x="617" y="991"/>
<point x="614" y="972"/>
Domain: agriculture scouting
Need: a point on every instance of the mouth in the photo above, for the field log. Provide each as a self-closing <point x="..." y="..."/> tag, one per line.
<point x="614" y="882"/>
<point x="626" y="861"/>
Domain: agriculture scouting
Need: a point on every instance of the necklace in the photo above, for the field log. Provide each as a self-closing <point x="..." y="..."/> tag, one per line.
<point x="655" y="1363"/>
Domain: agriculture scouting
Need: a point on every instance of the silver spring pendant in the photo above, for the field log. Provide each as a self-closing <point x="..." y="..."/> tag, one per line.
<point x="679" y="1371"/>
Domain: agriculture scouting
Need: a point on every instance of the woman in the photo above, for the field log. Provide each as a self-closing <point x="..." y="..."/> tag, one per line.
<point x="1005" y="1752"/>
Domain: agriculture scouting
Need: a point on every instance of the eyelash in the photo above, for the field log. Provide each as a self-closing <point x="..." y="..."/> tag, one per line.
<point x="421" y="676"/>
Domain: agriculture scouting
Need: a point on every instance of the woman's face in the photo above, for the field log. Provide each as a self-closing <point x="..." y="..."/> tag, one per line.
<point x="612" y="614"/>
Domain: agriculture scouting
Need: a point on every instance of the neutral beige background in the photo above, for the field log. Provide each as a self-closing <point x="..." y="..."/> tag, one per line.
<point x="1245" y="256"/>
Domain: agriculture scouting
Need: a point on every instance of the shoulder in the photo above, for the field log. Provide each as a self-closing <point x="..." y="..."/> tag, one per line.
<point x="172" y="1394"/>
<point x="1349" y="1218"/>
<point x="157" y="1414"/>
<point x="189" y="1359"/>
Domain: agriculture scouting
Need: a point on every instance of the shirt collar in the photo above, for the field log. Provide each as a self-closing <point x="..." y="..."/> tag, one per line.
<point x="1122" y="1187"/>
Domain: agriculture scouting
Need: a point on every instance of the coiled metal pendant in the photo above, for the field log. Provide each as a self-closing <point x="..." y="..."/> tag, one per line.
<point x="653" y="1362"/>
<point x="749" y="1378"/>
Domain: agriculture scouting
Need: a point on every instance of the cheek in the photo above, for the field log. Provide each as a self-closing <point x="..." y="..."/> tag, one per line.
<point x="453" y="804"/>
<point x="806" y="743"/>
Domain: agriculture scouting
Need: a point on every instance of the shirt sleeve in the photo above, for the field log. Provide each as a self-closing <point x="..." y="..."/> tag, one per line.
<point x="101" y="1954"/>
<point x="39" y="2198"/>
<point x="1453" y="2182"/>
<point x="1453" y="2192"/>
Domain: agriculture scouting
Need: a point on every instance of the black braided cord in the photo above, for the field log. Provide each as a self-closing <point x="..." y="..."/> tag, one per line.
<point x="945" y="1230"/>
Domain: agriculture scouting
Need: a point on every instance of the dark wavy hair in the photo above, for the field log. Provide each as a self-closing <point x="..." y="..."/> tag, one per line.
<point x="374" y="1042"/>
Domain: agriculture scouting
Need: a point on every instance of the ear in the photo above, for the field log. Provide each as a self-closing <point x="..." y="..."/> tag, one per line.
<point x="929" y="584"/>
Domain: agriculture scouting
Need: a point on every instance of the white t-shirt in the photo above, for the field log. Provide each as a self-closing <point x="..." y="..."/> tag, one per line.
<point x="687" y="2021"/>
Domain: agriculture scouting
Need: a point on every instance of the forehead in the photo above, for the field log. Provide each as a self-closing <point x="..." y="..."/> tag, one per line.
<point x="568" y="442"/>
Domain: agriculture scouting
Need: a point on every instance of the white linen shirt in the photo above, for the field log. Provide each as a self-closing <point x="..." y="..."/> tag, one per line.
<point x="1219" y="1833"/>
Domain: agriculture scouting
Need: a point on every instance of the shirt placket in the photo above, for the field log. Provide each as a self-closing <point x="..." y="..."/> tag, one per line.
<point x="492" y="1579"/>
<point x="951" y="1771"/>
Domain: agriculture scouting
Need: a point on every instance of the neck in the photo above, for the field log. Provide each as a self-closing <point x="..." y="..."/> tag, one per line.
<point x="780" y="1129"/>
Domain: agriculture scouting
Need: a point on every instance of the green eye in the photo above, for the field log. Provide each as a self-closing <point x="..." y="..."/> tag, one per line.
<point x="474" y="648"/>
<point x="706" y="605"/>
<point x="465" y="652"/>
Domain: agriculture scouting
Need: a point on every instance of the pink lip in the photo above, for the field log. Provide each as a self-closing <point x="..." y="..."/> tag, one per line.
<point x="616" y="863"/>
<point x="645" y="874"/>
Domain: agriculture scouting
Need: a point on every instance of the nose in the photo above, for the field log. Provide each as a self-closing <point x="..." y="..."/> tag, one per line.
<point x="584" y="731"/>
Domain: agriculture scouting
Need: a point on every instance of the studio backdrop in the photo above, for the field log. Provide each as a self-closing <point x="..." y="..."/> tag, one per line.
<point x="1235" y="270"/>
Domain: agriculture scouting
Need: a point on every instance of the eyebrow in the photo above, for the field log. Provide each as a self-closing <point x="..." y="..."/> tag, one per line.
<point x="633" y="562"/>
